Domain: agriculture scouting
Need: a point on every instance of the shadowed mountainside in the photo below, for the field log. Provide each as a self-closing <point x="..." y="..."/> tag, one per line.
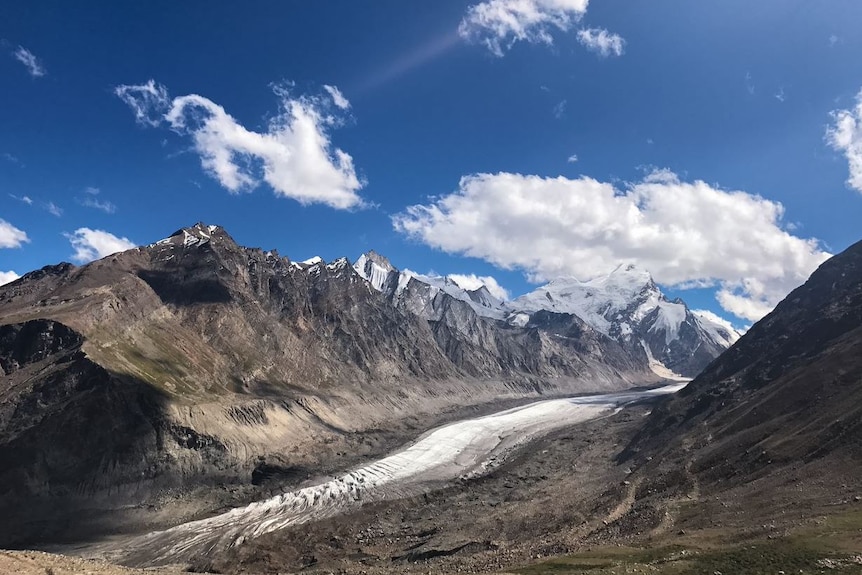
<point x="785" y="400"/>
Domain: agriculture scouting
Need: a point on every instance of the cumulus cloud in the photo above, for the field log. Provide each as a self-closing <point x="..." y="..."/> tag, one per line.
<point x="498" y="24"/>
<point x="8" y="277"/>
<point x="602" y="42"/>
<point x="26" y="57"/>
<point x="472" y="282"/>
<point x="845" y="136"/>
<point x="90" y="244"/>
<point x="10" y="236"/>
<point x="294" y="155"/>
<point x="686" y="233"/>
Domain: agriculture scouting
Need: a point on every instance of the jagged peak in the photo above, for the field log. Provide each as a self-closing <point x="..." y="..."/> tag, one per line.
<point x="197" y="234"/>
<point x="375" y="258"/>
<point x="340" y="263"/>
<point x="375" y="269"/>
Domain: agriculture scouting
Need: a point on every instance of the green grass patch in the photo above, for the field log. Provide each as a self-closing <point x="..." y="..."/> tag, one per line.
<point x="789" y="555"/>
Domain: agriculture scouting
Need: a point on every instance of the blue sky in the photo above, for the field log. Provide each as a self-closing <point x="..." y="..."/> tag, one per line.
<point x="717" y="144"/>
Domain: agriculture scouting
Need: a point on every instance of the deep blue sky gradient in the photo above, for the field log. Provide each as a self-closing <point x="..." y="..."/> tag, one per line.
<point x="695" y="92"/>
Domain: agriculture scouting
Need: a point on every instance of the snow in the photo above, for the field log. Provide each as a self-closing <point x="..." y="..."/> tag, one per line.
<point x="669" y="319"/>
<point x="464" y="449"/>
<point x="338" y="264"/>
<point x="598" y="301"/>
<point x="372" y="271"/>
<point x="718" y="328"/>
<point x="446" y="285"/>
<point x="519" y="319"/>
<point x="313" y="261"/>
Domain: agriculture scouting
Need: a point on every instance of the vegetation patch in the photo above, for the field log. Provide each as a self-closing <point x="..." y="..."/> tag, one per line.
<point x="788" y="556"/>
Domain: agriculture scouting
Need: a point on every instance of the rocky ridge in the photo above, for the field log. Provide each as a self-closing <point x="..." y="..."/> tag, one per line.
<point x="194" y="363"/>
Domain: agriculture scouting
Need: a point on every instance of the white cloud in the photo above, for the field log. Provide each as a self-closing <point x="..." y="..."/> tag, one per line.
<point x="293" y="155"/>
<point x="148" y="101"/>
<point x="54" y="209"/>
<point x="103" y="205"/>
<point x="602" y="42"/>
<point x="26" y="199"/>
<point x="560" y="109"/>
<point x="91" y="201"/>
<point x="90" y="244"/>
<point x="337" y="97"/>
<point x="472" y="282"/>
<point x="685" y="233"/>
<point x="845" y="135"/>
<point x="572" y="159"/>
<point x="749" y="84"/>
<point x="26" y="57"/>
<point x="8" y="277"/>
<point x="498" y="24"/>
<point x="10" y="236"/>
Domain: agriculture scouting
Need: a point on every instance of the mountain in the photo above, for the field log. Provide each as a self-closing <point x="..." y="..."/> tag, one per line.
<point x="170" y="371"/>
<point x="788" y="393"/>
<point x="625" y="305"/>
<point x="628" y="306"/>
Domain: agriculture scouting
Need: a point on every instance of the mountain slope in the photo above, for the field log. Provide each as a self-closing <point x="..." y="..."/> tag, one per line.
<point x="194" y="362"/>
<point x="628" y="306"/>
<point x="789" y="391"/>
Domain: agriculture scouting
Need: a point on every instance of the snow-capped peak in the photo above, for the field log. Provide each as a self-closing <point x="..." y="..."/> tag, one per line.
<point x="375" y="268"/>
<point x="627" y="293"/>
<point x="721" y="330"/>
<point x="313" y="261"/>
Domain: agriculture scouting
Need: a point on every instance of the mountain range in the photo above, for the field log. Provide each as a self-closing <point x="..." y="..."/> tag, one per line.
<point x="195" y="362"/>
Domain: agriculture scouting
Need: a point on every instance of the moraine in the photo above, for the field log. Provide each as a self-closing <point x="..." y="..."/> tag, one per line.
<point x="464" y="449"/>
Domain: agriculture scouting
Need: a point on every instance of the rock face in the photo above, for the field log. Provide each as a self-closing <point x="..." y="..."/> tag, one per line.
<point x="628" y="306"/>
<point x="790" y="390"/>
<point x="195" y="362"/>
<point x="625" y="306"/>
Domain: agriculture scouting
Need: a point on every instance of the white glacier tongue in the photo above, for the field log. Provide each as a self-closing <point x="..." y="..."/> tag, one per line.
<point x="460" y="450"/>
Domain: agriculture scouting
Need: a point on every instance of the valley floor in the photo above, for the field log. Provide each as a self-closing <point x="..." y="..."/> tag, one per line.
<point x="563" y="505"/>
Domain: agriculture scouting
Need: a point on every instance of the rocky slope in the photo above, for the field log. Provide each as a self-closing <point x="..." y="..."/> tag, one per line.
<point x="625" y="305"/>
<point x="628" y="306"/>
<point x="196" y="362"/>
<point x="789" y="392"/>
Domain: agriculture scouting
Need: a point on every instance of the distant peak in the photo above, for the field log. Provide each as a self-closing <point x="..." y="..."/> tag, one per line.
<point x="375" y="258"/>
<point x="313" y="261"/>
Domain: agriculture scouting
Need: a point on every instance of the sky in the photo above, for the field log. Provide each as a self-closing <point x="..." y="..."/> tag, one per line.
<point x="717" y="144"/>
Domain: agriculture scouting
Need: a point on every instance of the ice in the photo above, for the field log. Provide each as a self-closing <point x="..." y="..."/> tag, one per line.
<point x="463" y="449"/>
